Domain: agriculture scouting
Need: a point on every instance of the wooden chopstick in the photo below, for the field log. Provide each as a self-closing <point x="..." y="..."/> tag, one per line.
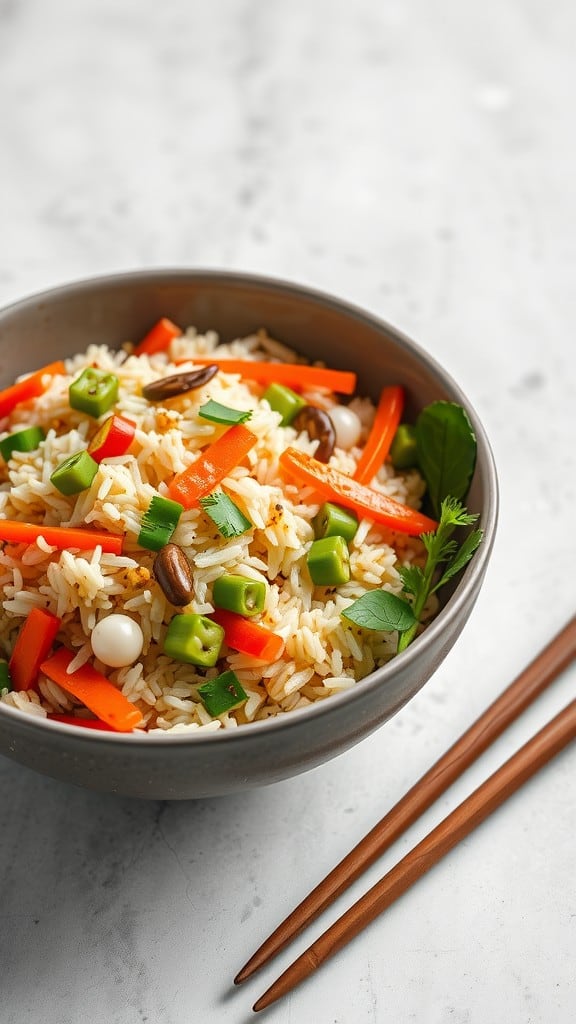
<point x="470" y="813"/>
<point x="531" y="682"/>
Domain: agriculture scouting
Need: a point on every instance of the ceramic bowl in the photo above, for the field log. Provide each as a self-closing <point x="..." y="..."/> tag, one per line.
<point x="112" y="309"/>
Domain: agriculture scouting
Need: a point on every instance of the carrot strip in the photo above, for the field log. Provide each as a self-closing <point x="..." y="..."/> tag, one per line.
<point x="210" y="468"/>
<point x="386" y="420"/>
<point x="85" y="723"/>
<point x="248" y="637"/>
<point x="32" y="645"/>
<point x="94" y="690"/>
<point x="335" y="486"/>
<point x="294" y="375"/>
<point x="159" y="338"/>
<point x="30" y="387"/>
<point x="63" y="537"/>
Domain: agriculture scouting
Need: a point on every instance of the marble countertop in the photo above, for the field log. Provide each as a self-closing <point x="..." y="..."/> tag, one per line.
<point x="418" y="159"/>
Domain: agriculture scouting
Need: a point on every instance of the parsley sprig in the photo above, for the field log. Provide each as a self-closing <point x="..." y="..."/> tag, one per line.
<point x="443" y="553"/>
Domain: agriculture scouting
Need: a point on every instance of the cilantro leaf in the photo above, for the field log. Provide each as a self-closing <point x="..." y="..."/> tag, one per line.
<point x="229" y="519"/>
<point x="380" y="610"/>
<point x="441" y="550"/>
<point x="217" y="413"/>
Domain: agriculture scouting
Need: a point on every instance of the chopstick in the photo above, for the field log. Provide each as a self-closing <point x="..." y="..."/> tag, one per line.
<point x="543" y="669"/>
<point x="470" y="813"/>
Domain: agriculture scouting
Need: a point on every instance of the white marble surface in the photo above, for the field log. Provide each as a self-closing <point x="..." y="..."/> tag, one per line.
<point x="417" y="158"/>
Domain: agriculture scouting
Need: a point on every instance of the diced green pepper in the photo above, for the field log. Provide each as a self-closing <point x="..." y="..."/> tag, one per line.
<point x="75" y="474"/>
<point x="404" y="449"/>
<point x="5" y="677"/>
<point x="194" y="639"/>
<point x="93" y="392"/>
<point x="284" y="401"/>
<point x="21" y="441"/>
<point x="159" y="522"/>
<point x="335" y="521"/>
<point x="329" y="562"/>
<point x="239" y="594"/>
<point x="224" y="693"/>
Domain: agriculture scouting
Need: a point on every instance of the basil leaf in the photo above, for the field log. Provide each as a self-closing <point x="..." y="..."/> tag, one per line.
<point x="380" y="610"/>
<point x="217" y="413"/>
<point x="446" y="451"/>
<point x="229" y="519"/>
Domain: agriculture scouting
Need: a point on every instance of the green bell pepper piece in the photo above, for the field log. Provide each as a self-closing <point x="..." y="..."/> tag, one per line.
<point x="239" y="594"/>
<point x="285" y="401"/>
<point x="335" y="521"/>
<point x="404" y="448"/>
<point x="224" y="693"/>
<point x="329" y="562"/>
<point x="21" y="441"/>
<point x="194" y="639"/>
<point x="75" y="474"/>
<point x="93" y="392"/>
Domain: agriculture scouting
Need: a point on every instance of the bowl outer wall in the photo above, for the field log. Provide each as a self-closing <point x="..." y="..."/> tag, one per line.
<point x="113" y="310"/>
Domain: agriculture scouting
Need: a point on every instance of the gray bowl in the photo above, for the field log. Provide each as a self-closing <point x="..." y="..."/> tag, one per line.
<point x="113" y="309"/>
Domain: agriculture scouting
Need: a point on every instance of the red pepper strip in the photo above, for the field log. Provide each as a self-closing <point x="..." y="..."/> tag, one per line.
<point x="158" y="339"/>
<point x="366" y="502"/>
<point x="32" y="645"/>
<point x="102" y="697"/>
<point x="380" y="438"/>
<point x="248" y="637"/>
<point x="210" y="468"/>
<point x="30" y="387"/>
<point x="63" y="537"/>
<point x="86" y="723"/>
<point x="293" y="375"/>
<point x="113" y="438"/>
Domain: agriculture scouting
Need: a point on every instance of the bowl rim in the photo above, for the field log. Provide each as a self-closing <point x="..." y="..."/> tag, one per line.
<point x="447" y="615"/>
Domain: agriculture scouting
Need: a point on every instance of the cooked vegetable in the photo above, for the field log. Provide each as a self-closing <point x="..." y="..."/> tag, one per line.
<point x="328" y="562"/>
<point x="224" y="693"/>
<point x="386" y="420"/>
<point x="334" y="521"/>
<point x="63" y="537"/>
<point x="5" y="677"/>
<point x="75" y="474"/>
<point x="319" y="427"/>
<point x="239" y="594"/>
<point x="283" y="401"/>
<point x="173" y="572"/>
<point x="159" y="522"/>
<point x="404" y="447"/>
<point x="229" y="519"/>
<point x="26" y="440"/>
<point x="194" y="639"/>
<point x="112" y="439"/>
<point x="347" y="426"/>
<point x="158" y="338"/>
<point x="248" y="637"/>
<point x="442" y="550"/>
<point x="295" y="375"/>
<point x="178" y="384"/>
<point x="30" y="387"/>
<point x="217" y="413"/>
<point x="446" y="451"/>
<point x="117" y="640"/>
<point x="343" y="490"/>
<point x="85" y="723"/>
<point x="94" y="690"/>
<point x="212" y="466"/>
<point x="93" y="392"/>
<point x="32" y="645"/>
<point x="380" y="610"/>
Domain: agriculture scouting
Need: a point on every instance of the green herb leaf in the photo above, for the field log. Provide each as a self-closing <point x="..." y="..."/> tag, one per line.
<point x="217" y="413"/>
<point x="380" y="610"/>
<point x="441" y="549"/>
<point x="229" y="519"/>
<point x="446" y="451"/>
<point x="462" y="558"/>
